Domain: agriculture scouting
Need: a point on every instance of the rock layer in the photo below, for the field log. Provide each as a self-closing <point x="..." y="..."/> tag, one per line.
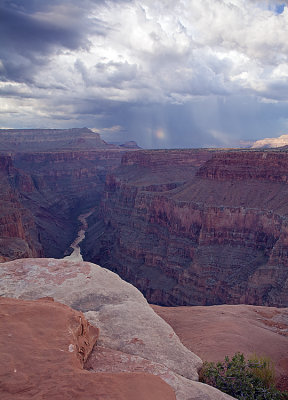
<point x="18" y="234"/>
<point x="197" y="228"/>
<point x="216" y="331"/>
<point x="136" y="340"/>
<point x="44" y="358"/>
<point x="104" y="360"/>
<point x="48" y="178"/>
<point x="59" y="187"/>
<point x="35" y="140"/>
<point x="102" y="296"/>
<point x="186" y="227"/>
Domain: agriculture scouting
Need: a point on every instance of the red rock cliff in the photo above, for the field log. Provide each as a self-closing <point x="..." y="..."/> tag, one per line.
<point x="44" y="192"/>
<point x="219" y="235"/>
<point x="58" y="186"/>
<point x="18" y="236"/>
<point x="49" y="177"/>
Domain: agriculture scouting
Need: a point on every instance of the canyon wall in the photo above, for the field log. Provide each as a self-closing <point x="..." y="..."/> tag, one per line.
<point x="57" y="187"/>
<point x="35" y="140"/>
<point x="43" y="192"/>
<point x="198" y="227"/>
<point x="18" y="233"/>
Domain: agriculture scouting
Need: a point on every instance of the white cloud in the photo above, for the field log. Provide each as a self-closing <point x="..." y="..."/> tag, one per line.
<point x="150" y="52"/>
<point x="187" y="48"/>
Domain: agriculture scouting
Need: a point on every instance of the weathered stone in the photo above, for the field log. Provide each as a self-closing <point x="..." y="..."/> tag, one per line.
<point x="43" y="346"/>
<point x="107" y="360"/>
<point x="125" y="319"/>
<point x="217" y="331"/>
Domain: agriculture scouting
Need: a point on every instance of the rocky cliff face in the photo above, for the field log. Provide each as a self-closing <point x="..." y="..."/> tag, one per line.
<point x="18" y="234"/>
<point x="35" y="140"/>
<point x="209" y="230"/>
<point x="43" y="192"/>
<point x="58" y="186"/>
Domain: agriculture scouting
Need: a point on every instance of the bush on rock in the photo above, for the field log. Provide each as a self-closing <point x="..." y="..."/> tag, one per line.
<point x="243" y="379"/>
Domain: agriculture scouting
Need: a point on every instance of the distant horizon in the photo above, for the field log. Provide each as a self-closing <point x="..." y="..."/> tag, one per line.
<point x="280" y="141"/>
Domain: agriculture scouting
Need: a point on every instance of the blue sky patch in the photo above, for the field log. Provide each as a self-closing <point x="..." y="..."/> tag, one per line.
<point x="280" y="8"/>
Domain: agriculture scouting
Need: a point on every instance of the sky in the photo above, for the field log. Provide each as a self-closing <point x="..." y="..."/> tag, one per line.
<point x="168" y="74"/>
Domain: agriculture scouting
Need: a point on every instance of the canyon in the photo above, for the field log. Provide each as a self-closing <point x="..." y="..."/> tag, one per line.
<point x="185" y="226"/>
<point x="200" y="227"/>
<point x="44" y="191"/>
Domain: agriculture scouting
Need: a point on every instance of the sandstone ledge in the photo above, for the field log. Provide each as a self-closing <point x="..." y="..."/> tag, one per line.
<point x="216" y="331"/>
<point x="127" y="324"/>
<point x="43" y="346"/>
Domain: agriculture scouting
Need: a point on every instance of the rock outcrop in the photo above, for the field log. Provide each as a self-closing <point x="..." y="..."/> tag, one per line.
<point x="43" y="348"/>
<point x="126" y="321"/>
<point x="216" y="331"/>
<point x="197" y="227"/>
<point x="102" y="296"/>
<point x="130" y="145"/>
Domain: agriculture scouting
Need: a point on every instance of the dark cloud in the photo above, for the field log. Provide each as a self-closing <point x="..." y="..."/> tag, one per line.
<point x="208" y="122"/>
<point x="31" y="31"/>
<point x="24" y="33"/>
<point x="168" y="74"/>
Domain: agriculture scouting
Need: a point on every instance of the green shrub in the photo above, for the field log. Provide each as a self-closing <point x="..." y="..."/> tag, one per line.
<point x="264" y="369"/>
<point x="249" y="380"/>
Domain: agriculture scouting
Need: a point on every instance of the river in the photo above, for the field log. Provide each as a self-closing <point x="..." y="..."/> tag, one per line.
<point x="76" y="254"/>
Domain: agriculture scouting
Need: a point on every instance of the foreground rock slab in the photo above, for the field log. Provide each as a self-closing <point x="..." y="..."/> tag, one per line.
<point x="105" y="360"/>
<point x="125" y="319"/>
<point x="43" y="346"/>
<point x="216" y="331"/>
<point x="133" y="338"/>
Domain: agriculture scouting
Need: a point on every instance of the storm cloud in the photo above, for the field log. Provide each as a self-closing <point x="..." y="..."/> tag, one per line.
<point x="167" y="74"/>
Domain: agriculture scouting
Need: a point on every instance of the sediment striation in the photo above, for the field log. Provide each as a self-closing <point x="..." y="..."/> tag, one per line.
<point x="18" y="233"/>
<point x="58" y="186"/>
<point x="48" y="178"/>
<point x="197" y="227"/>
<point x="35" y="140"/>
